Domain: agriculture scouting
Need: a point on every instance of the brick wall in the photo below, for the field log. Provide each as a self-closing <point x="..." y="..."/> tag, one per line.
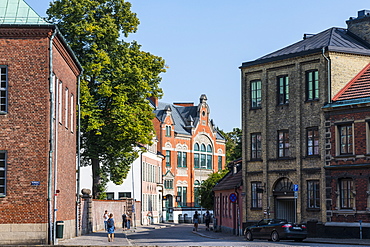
<point x="354" y="166"/>
<point x="25" y="134"/>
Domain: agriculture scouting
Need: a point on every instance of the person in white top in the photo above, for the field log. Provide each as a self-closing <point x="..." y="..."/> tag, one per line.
<point x="106" y="217"/>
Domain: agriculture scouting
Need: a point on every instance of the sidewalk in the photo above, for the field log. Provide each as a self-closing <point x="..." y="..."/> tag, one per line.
<point x="100" y="238"/>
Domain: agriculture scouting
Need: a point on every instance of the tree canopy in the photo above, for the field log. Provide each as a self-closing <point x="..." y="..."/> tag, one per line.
<point x="205" y="191"/>
<point x="118" y="78"/>
<point x="233" y="144"/>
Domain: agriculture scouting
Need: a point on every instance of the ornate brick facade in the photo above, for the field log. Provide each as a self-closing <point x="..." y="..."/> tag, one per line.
<point x="193" y="149"/>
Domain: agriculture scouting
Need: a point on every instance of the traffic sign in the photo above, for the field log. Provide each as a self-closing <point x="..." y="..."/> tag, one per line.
<point x="295" y="187"/>
<point x="233" y="197"/>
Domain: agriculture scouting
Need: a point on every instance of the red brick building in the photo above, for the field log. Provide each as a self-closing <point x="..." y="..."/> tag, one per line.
<point x="228" y="202"/>
<point x="38" y="96"/>
<point x="193" y="149"/>
<point x="347" y="167"/>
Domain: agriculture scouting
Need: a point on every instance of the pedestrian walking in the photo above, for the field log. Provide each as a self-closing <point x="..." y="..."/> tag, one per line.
<point x="124" y="221"/>
<point x="208" y="220"/>
<point x="128" y="222"/>
<point x="111" y="228"/>
<point x="105" y="217"/>
<point x="195" y="221"/>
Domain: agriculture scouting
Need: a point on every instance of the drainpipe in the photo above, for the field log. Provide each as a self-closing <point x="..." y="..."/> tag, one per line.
<point x="78" y="200"/>
<point x="329" y="74"/>
<point x="51" y="141"/>
<point x="55" y="159"/>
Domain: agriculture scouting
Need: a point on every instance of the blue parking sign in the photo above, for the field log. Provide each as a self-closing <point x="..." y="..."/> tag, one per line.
<point x="295" y="187"/>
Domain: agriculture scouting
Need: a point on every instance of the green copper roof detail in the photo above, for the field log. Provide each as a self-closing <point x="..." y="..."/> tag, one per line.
<point x="19" y="12"/>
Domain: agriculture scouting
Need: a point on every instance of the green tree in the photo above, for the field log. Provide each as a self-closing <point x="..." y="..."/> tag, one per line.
<point x="205" y="190"/>
<point x="118" y="78"/>
<point x="233" y="144"/>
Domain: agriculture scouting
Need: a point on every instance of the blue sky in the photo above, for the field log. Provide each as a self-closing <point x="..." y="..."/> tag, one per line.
<point x="204" y="42"/>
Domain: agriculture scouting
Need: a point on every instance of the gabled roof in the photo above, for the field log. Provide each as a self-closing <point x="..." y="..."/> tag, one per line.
<point x="332" y="39"/>
<point x="184" y="117"/>
<point x="358" y="87"/>
<point x="19" y="12"/>
<point x="230" y="181"/>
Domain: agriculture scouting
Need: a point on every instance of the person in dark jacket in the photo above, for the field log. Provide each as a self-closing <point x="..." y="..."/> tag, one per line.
<point x="195" y="221"/>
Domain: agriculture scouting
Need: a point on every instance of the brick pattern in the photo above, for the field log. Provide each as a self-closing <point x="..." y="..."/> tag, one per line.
<point x="296" y="117"/>
<point x="186" y="176"/>
<point x="355" y="167"/>
<point x="25" y="129"/>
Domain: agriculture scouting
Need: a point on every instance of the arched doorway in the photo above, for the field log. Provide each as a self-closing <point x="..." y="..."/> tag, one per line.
<point x="284" y="200"/>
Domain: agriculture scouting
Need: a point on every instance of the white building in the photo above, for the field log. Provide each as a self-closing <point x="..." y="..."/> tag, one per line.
<point x="143" y="184"/>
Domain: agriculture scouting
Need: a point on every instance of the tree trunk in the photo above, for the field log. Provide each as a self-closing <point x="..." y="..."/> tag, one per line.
<point x="96" y="177"/>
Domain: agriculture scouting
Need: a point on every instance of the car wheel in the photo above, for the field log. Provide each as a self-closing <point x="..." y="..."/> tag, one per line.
<point x="249" y="236"/>
<point x="275" y="236"/>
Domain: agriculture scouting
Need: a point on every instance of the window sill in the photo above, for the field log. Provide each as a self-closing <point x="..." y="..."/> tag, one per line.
<point x="285" y="158"/>
<point x="312" y="100"/>
<point x="313" y="209"/>
<point x="256" y="209"/>
<point x="254" y="160"/>
<point x="255" y="108"/>
<point x="344" y="156"/>
<point x="286" y="104"/>
<point x="312" y="156"/>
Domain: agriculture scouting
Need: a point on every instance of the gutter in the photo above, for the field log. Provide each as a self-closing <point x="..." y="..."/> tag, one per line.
<point x="51" y="221"/>
<point x="78" y="199"/>
<point x="329" y="74"/>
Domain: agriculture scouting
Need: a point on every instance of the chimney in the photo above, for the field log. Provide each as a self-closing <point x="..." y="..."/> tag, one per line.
<point x="184" y="104"/>
<point x="154" y="101"/>
<point x="360" y="26"/>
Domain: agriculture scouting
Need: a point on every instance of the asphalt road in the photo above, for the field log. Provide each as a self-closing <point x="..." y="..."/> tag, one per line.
<point x="182" y="235"/>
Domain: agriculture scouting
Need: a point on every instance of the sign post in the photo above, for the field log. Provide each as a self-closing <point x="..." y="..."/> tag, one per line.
<point x="295" y="189"/>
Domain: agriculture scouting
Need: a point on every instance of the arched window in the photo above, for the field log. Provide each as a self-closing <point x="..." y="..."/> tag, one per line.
<point x="203" y="157"/>
<point x="196" y="193"/>
<point x="209" y="157"/>
<point x="196" y="155"/>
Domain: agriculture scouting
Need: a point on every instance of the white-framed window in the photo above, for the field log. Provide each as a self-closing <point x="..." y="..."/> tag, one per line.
<point x="256" y="94"/>
<point x="71" y="113"/>
<point x="60" y="100"/>
<point x="66" y="107"/>
<point x="346" y="193"/>
<point x="3" y="158"/>
<point x="3" y="89"/>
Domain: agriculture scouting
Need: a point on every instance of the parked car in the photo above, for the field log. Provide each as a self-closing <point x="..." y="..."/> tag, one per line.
<point x="276" y="229"/>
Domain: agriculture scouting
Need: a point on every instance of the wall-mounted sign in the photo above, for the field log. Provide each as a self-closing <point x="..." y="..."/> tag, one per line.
<point x="36" y="183"/>
<point x="233" y="197"/>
